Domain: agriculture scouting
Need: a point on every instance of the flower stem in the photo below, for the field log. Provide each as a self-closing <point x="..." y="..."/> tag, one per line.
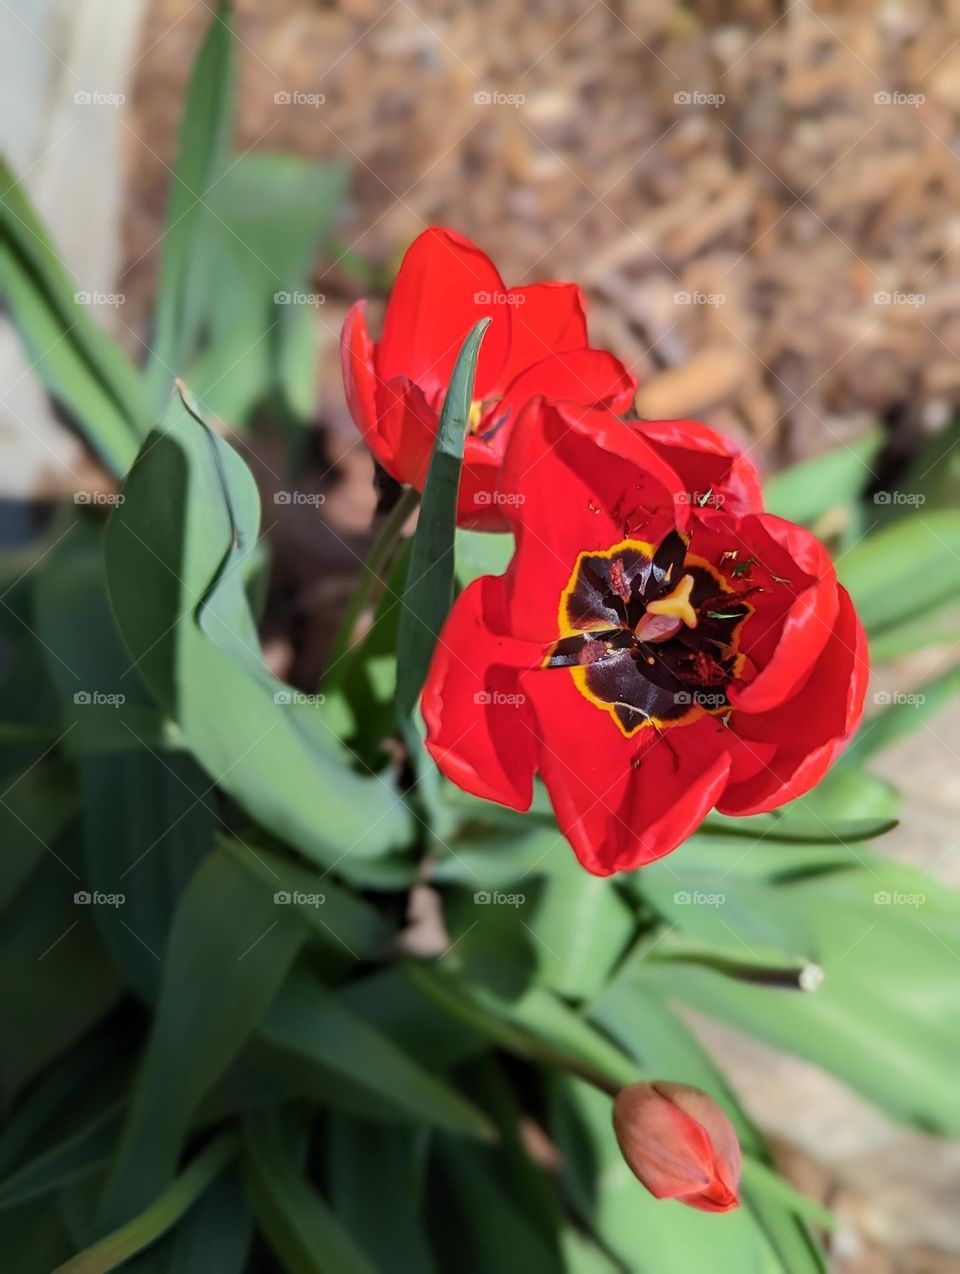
<point x="371" y="581"/>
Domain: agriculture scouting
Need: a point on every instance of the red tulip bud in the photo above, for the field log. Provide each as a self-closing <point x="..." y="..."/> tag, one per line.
<point x="679" y="1143"/>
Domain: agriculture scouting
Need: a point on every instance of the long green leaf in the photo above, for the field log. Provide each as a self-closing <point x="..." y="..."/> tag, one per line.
<point x="229" y="950"/>
<point x="177" y="552"/>
<point x="429" y="590"/>
<point x="80" y="365"/>
<point x="159" y="1217"/>
<point x="299" y="1224"/>
<point x="308" y="1024"/>
<point x="185" y="275"/>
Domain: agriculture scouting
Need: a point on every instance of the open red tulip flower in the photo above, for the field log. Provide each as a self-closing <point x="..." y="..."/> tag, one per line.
<point x="657" y="647"/>
<point x="536" y="344"/>
<point x="679" y="1143"/>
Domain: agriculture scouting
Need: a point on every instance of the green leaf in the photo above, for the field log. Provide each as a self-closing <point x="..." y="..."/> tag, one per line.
<point x="885" y="938"/>
<point x="909" y="568"/>
<point x="55" y="981"/>
<point x="270" y="215"/>
<point x="377" y="1186"/>
<point x="186" y="276"/>
<point x="806" y="491"/>
<point x="338" y="917"/>
<point x="904" y="714"/>
<point x="429" y="590"/>
<point x="481" y="553"/>
<point x="176" y="553"/>
<point x="74" y="1157"/>
<point x="471" y="1211"/>
<point x="80" y="365"/>
<point x="147" y="817"/>
<point x="536" y="1025"/>
<point x="159" y="1217"/>
<point x="299" y="1224"/>
<point x="229" y="950"/>
<point x="311" y="1027"/>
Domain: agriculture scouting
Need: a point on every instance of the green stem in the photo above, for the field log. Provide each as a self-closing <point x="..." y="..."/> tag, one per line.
<point x="371" y="580"/>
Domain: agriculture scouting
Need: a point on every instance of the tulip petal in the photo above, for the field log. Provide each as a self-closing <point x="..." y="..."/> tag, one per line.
<point x="588" y="376"/>
<point x="809" y="728"/>
<point x="548" y="318"/>
<point x="707" y="463"/>
<point x="621" y="802"/>
<point x="574" y="481"/>
<point x="479" y="728"/>
<point x="444" y="286"/>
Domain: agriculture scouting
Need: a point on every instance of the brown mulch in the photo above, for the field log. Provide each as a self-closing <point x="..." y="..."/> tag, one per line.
<point x="787" y="212"/>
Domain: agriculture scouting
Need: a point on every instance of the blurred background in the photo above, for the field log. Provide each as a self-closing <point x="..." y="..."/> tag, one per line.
<point x="762" y="201"/>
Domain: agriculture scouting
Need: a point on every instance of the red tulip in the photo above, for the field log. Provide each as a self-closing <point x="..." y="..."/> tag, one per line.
<point x="536" y="344"/>
<point x="679" y="1143"/>
<point x="657" y="646"/>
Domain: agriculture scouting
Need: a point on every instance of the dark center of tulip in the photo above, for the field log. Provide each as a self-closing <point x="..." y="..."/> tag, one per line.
<point x="651" y="635"/>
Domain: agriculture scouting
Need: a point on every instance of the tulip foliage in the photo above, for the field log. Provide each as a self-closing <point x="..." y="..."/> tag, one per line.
<point x="392" y="974"/>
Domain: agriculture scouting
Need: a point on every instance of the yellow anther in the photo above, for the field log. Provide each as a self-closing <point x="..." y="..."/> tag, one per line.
<point x="475" y="416"/>
<point x="677" y="604"/>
